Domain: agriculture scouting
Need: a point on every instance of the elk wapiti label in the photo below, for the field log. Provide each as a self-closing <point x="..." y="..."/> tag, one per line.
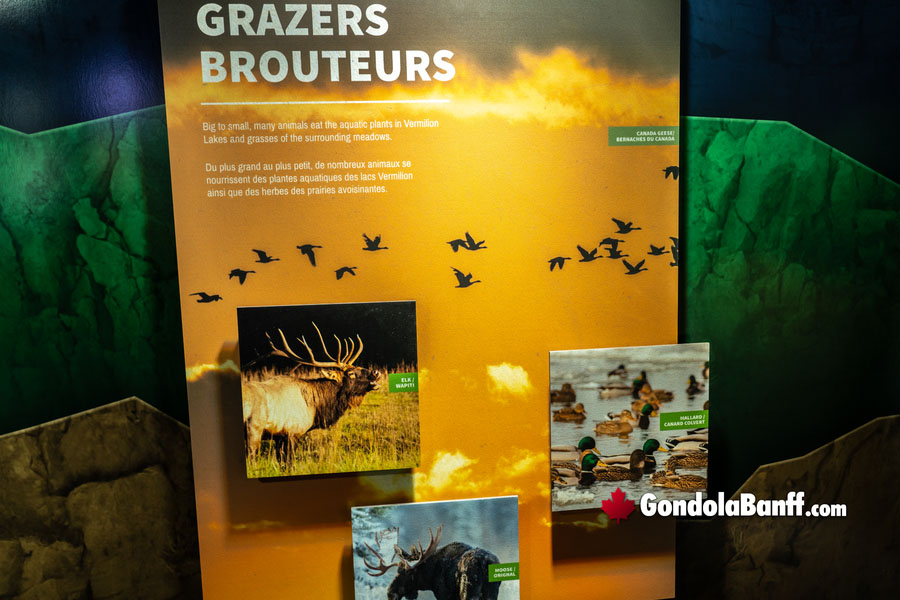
<point x="463" y="549"/>
<point x="329" y="388"/>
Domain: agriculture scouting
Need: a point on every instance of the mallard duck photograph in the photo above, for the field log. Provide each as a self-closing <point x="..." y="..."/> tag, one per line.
<point x="648" y="394"/>
<point x="673" y="480"/>
<point x="634" y="424"/>
<point x="620" y="372"/>
<point x="650" y="446"/>
<point x="618" y="427"/>
<point x="614" y="390"/>
<point x="644" y="417"/>
<point x="637" y="406"/>
<point x="564" y="394"/>
<point x="695" y="387"/>
<point x="569" y="456"/>
<point x="592" y="469"/>
<point x="689" y="460"/>
<point x="687" y="446"/>
<point x="574" y="414"/>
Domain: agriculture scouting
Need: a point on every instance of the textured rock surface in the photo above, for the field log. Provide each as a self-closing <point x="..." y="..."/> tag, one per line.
<point x="99" y="505"/>
<point x="89" y="310"/>
<point x="791" y="271"/>
<point x="805" y="557"/>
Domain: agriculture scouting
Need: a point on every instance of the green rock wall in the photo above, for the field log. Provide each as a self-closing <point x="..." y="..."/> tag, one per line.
<point x="791" y="269"/>
<point x="89" y="308"/>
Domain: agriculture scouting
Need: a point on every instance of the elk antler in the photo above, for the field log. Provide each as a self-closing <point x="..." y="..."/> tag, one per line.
<point x="380" y="568"/>
<point x="341" y="362"/>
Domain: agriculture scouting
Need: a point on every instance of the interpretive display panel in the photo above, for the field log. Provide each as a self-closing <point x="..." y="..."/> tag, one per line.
<point x="457" y="549"/>
<point x="329" y="388"/>
<point x="511" y="167"/>
<point x="633" y="419"/>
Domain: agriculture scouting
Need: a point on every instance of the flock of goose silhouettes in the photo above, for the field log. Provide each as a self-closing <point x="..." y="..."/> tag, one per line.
<point x="373" y="244"/>
<point x="611" y="246"/>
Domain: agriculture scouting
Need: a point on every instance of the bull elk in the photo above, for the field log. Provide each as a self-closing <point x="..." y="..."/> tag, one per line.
<point x="456" y="571"/>
<point x="293" y="403"/>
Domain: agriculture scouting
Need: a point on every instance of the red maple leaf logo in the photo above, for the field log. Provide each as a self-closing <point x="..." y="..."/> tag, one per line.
<point x="618" y="508"/>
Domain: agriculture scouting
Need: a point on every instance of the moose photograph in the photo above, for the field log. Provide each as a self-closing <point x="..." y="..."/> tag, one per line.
<point x="454" y="550"/>
<point x="329" y="388"/>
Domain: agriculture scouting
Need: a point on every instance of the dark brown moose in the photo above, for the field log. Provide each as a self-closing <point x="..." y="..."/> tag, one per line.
<point x="456" y="571"/>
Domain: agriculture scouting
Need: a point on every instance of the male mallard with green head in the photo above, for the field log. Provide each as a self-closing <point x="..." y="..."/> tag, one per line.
<point x="592" y="469"/>
<point x="649" y="447"/>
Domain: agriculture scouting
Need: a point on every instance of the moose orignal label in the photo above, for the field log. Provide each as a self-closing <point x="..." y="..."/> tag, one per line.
<point x="403" y="382"/>
<point x="504" y="572"/>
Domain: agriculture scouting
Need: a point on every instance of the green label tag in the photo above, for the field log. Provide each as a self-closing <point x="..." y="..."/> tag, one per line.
<point x="403" y="382"/>
<point x="651" y="135"/>
<point x="504" y="572"/>
<point x="687" y="419"/>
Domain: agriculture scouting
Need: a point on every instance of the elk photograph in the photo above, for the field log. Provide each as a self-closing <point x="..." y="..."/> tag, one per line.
<point x="329" y="388"/>
<point x="453" y="550"/>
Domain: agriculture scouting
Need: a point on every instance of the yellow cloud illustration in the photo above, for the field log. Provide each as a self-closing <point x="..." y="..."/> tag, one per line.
<point x="197" y="371"/>
<point x="449" y="471"/>
<point x="522" y="463"/>
<point x="558" y="89"/>
<point x="509" y="378"/>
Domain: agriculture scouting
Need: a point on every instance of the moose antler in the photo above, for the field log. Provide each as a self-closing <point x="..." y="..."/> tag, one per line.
<point x="347" y="354"/>
<point x="380" y="568"/>
<point x="432" y="545"/>
<point x="417" y="554"/>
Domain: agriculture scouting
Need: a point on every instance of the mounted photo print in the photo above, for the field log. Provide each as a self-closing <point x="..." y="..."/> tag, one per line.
<point x="329" y="388"/>
<point x="636" y="419"/>
<point x="459" y="549"/>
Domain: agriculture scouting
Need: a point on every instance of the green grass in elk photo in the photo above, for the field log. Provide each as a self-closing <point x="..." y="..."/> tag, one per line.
<point x="329" y="388"/>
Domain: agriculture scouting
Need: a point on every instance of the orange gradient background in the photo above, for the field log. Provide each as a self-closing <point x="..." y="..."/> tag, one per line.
<point x="519" y="160"/>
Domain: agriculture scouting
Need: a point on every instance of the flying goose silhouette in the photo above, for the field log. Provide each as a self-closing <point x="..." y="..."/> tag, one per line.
<point x="372" y="244"/>
<point x="241" y="274"/>
<point x="625" y="227"/>
<point x="588" y="256"/>
<point x="206" y="298"/>
<point x="343" y="270"/>
<point x="309" y="251"/>
<point x="264" y="258"/>
<point x="558" y="261"/>
<point x="634" y="269"/>
<point x="465" y="280"/>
